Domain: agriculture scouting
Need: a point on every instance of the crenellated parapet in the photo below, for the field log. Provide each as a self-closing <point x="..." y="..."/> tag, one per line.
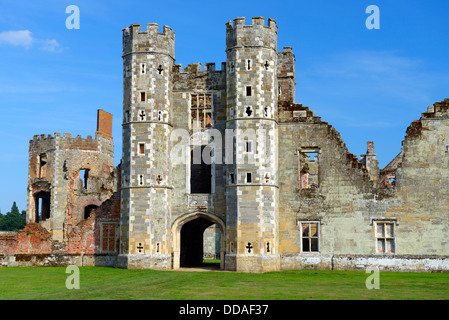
<point x="150" y="41"/>
<point x="255" y="35"/>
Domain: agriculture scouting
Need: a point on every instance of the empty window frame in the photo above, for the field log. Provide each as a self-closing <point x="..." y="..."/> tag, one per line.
<point x="127" y="116"/>
<point x="42" y="172"/>
<point x="141" y="149"/>
<point x="42" y="206"/>
<point x="201" y="111"/>
<point x="385" y="240"/>
<point x="88" y="210"/>
<point x="142" y="96"/>
<point x="248" y="91"/>
<point x="310" y="236"/>
<point x="309" y="169"/>
<point x="249" y="177"/>
<point x="248" y="146"/>
<point x="200" y="170"/>
<point x="84" y="176"/>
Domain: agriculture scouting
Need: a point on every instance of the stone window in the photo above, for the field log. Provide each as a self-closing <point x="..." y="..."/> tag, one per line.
<point x="248" y="91"/>
<point x="142" y="115"/>
<point x="42" y="166"/>
<point x="248" y="146"/>
<point x="108" y="237"/>
<point x="201" y="111"/>
<point x="88" y="210"/>
<point x="249" y="177"/>
<point x="143" y="68"/>
<point x="141" y="180"/>
<point x="231" y="66"/>
<point x="249" y="111"/>
<point x="128" y="71"/>
<point x="266" y="65"/>
<point x="232" y="177"/>
<point x="127" y="116"/>
<point x="160" y="69"/>
<point x="309" y="168"/>
<point x="200" y="170"/>
<point x="310" y="231"/>
<point x="266" y="112"/>
<point x="84" y="176"/>
<point x="141" y="148"/>
<point x="384" y="232"/>
<point x="42" y="206"/>
<point x="142" y="96"/>
<point x="248" y="64"/>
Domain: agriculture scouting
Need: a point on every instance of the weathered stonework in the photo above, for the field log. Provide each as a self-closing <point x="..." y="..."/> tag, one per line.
<point x="293" y="197"/>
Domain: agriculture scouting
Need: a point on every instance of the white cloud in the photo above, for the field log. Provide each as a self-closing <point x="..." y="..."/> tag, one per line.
<point x="50" y="45"/>
<point x="25" y="39"/>
<point x="17" y="38"/>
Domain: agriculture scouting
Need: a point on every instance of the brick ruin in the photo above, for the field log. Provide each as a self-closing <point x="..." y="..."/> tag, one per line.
<point x="306" y="202"/>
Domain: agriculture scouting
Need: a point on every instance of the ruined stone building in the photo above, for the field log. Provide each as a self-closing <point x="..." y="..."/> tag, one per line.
<point x="228" y="155"/>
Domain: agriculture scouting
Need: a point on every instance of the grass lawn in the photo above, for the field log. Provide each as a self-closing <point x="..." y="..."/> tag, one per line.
<point x="114" y="283"/>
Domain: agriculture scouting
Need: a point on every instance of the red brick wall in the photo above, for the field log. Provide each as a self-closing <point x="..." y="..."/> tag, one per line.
<point x="104" y="123"/>
<point x="83" y="238"/>
<point x="32" y="239"/>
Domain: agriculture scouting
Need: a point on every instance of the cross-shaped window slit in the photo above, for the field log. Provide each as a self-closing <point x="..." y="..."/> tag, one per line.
<point x="249" y="247"/>
<point x="140" y="247"/>
<point x="142" y="115"/>
<point x="266" y="65"/>
<point x="160" y="69"/>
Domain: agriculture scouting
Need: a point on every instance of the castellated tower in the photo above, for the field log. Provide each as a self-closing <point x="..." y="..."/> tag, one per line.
<point x="148" y="58"/>
<point x="252" y="192"/>
<point x="69" y="176"/>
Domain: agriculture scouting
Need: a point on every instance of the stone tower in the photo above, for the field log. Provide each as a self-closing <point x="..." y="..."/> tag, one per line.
<point x="252" y="191"/>
<point x="148" y="58"/>
<point x="69" y="176"/>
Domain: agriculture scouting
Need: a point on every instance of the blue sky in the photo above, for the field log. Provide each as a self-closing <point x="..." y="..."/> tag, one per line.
<point x="369" y="84"/>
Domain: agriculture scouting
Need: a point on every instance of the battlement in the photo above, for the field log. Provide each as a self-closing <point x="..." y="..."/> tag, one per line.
<point x="196" y="68"/>
<point x="66" y="141"/>
<point x="256" y="21"/>
<point x="439" y="110"/>
<point x="151" y="40"/>
<point x="238" y="34"/>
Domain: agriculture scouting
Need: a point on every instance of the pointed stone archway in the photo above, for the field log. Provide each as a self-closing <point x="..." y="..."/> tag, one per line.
<point x="187" y="235"/>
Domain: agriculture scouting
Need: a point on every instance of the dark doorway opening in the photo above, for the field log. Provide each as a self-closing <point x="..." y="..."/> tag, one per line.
<point x="192" y="244"/>
<point x="200" y="170"/>
<point x="42" y="206"/>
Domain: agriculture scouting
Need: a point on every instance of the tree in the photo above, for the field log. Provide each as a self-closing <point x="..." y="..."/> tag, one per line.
<point x="13" y="220"/>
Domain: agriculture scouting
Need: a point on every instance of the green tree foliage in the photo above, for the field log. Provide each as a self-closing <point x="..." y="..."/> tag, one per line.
<point x="13" y="220"/>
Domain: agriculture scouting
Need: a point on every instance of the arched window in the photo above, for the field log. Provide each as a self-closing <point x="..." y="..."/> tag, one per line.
<point x="88" y="209"/>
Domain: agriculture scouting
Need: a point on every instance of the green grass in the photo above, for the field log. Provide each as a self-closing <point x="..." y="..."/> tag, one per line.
<point x="113" y="283"/>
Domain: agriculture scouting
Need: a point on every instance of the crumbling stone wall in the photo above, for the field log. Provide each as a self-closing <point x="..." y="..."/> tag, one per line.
<point x="349" y="202"/>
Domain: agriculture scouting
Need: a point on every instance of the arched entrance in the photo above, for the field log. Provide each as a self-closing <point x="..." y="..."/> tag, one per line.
<point x="188" y="231"/>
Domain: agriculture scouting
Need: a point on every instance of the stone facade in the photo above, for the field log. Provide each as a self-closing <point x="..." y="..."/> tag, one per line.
<point x="229" y="153"/>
